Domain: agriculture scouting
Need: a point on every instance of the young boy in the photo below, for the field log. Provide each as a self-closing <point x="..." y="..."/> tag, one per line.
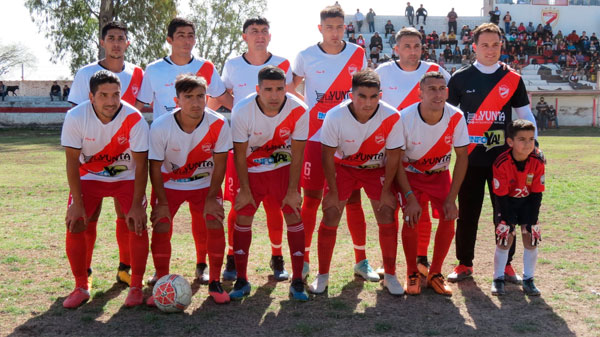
<point x="518" y="185"/>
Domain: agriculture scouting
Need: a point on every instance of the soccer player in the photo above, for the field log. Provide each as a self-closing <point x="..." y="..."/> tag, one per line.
<point x="362" y="141"/>
<point x="400" y="87"/>
<point x="114" y="42"/>
<point x="158" y="86"/>
<point x="518" y="186"/>
<point x="188" y="154"/>
<point x="240" y="77"/>
<point x="486" y="92"/>
<point x="269" y="131"/>
<point x="431" y="129"/>
<point x="327" y="68"/>
<point x="106" y="145"/>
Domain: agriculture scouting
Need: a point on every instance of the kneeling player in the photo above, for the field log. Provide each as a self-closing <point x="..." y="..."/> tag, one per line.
<point x="362" y="140"/>
<point x="431" y="129"/>
<point x="269" y="130"/>
<point x="518" y="186"/>
<point x="106" y="144"/>
<point x="188" y="154"/>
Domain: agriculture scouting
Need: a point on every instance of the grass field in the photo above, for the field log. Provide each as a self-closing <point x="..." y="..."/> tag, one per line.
<point x="36" y="277"/>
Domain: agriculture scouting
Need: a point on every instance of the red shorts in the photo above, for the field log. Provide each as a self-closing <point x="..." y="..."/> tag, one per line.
<point x="175" y="198"/>
<point x="232" y="183"/>
<point x="313" y="177"/>
<point x="273" y="183"/>
<point x="433" y="187"/>
<point x="349" y="179"/>
<point x="92" y="192"/>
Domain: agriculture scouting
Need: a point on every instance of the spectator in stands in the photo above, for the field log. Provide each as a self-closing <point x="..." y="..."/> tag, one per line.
<point x="573" y="38"/>
<point x="584" y="41"/>
<point x="571" y="47"/>
<point x="374" y="54"/>
<point x="539" y="29"/>
<point x="522" y="55"/>
<point x="409" y="12"/>
<point x="562" y="60"/>
<point x="359" y="17"/>
<point x="594" y="39"/>
<point x="521" y="28"/>
<point x="542" y="111"/>
<point x="55" y="91"/>
<point x="495" y="16"/>
<point x="513" y="29"/>
<point x="530" y="29"/>
<point x="574" y="80"/>
<point x="65" y="92"/>
<point x="376" y="40"/>
<point x="389" y="28"/>
<point x="548" y="29"/>
<point x="548" y="54"/>
<point x="456" y="54"/>
<point x="558" y="36"/>
<point x="553" y="116"/>
<point x="507" y="20"/>
<point x="392" y="40"/>
<point x="371" y="20"/>
<point x="452" y="39"/>
<point x="349" y="29"/>
<point x="370" y="64"/>
<point x="435" y="39"/>
<point x="539" y="46"/>
<point x="360" y="40"/>
<point x="352" y="38"/>
<point x="571" y="61"/>
<point x="453" y="70"/>
<point x="466" y="51"/>
<point x="3" y="91"/>
<point x="580" y="59"/>
<point x="422" y="31"/>
<point x="448" y="54"/>
<point x="443" y="40"/>
<point x="422" y="12"/>
<point x="452" y="16"/>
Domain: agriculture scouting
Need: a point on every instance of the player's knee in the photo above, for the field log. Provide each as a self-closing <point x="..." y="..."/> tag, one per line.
<point x="213" y="224"/>
<point x="78" y="227"/>
<point x="291" y="218"/>
<point x="527" y="240"/>
<point x="314" y="194"/>
<point x="161" y="227"/>
<point x="385" y="215"/>
<point x="331" y="217"/>
<point x="244" y="220"/>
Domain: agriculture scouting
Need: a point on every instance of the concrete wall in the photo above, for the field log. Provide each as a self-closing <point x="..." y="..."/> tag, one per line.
<point x="44" y="119"/>
<point x="572" y="110"/>
<point x="35" y="88"/>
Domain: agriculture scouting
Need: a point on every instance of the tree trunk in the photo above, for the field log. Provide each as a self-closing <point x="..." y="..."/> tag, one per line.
<point x="106" y="16"/>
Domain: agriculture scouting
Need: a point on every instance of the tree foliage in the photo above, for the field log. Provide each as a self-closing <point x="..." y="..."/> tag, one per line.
<point x="12" y="55"/>
<point x="219" y="26"/>
<point x="73" y="27"/>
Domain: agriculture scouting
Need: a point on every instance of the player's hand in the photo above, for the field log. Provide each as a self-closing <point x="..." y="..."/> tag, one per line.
<point x="137" y="218"/>
<point x="331" y="199"/>
<point x="75" y="213"/>
<point x="294" y="201"/>
<point x="244" y="198"/>
<point x="388" y="199"/>
<point x="159" y="212"/>
<point x="412" y="211"/>
<point x="502" y="233"/>
<point x="505" y="66"/>
<point x="536" y="234"/>
<point x="214" y="207"/>
<point x="450" y="210"/>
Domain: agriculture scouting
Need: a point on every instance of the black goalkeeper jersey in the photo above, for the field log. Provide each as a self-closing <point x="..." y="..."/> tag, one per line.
<point x="486" y="101"/>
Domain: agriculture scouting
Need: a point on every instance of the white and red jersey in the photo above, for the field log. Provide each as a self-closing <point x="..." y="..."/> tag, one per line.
<point x="362" y="145"/>
<point x="401" y="88"/>
<point x="328" y="80"/>
<point x="106" y="149"/>
<point x="242" y="77"/>
<point x="429" y="147"/>
<point x="159" y="82"/>
<point x="188" y="157"/>
<point x="130" y="76"/>
<point x="269" y="138"/>
<point x="509" y="180"/>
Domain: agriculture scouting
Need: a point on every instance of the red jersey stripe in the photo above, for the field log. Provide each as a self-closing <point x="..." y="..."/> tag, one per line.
<point x="285" y="66"/>
<point x="135" y="84"/>
<point x="206" y="70"/>
<point x="413" y="95"/>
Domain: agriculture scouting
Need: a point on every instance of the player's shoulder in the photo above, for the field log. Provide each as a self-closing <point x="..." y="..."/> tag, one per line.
<point x="387" y="109"/>
<point x="235" y="61"/>
<point x="385" y="66"/>
<point x="467" y="70"/>
<point x="244" y="104"/>
<point x="80" y="110"/>
<point x="277" y="59"/>
<point x="131" y="66"/>
<point x="537" y="156"/>
<point x="157" y="66"/>
<point x="339" y="110"/>
<point x="89" y="69"/>
<point x="200" y="61"/>
<point x="410" y="111"/>
<point x="503" y="159"/>
<point x="129" y="109"/>
<point x="295" y="101"/>
<point x="451" y="110"/>
<point x="310" y="51"/>
<point x="213" y="116"/>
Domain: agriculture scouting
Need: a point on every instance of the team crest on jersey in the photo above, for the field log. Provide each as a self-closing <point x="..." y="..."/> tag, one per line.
<point x="206" y="147"/>
<point x="352" y="69"/>
<point x="496" y="184"/>
<point x="284" y="132"/>
<point x="134" y="90"/>
<point x="379" y="139"/>
<point x="448" y="139"/>
<point x="121" y="139"/>
<point x="503" y="91"/>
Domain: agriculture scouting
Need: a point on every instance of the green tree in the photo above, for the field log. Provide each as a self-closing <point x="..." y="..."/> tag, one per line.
<point x="73" y="27"/>
<point x="219" y="26"/>
<point x="12" y="55"/>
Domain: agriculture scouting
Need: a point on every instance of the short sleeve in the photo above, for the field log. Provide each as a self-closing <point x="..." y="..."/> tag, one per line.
<point x="227" y="75"/>
<point x="239" y="126"/>
<point x="79" y="89"/>
<point x="520" y="97"/>
<point x="395" y="139"/>
<point x="500" y="181"/>
<point x="224" y="143"/>
<point x="138" y="138"/>
<point x="301" y="128"/>
<point x="157" y="143"/>
<point x="453" y="91"/>
<point x="289" y="76"/>
<point x="146" y="93"/>
<point x="71" y="135"/>
<point x="538" y="184"/>
<point x="216" y="87"/>
<point x="446" y="74"/>
<point x="461" y="133"/>
<point x="298" y="68"/>
<point x="329" y="131"/>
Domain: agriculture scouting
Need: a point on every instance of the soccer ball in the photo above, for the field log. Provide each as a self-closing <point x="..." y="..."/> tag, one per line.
<point x="172" y="293"/>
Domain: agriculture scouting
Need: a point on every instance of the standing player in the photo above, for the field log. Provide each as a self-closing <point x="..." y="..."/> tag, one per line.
<point x="327" y="68"/>
<point x="400" y="87"/>
<point x="486" y="93"/>
<point x="240" y="77"/>
<point x="269" y="130"/>
<point x="518" y="187"/>
<point x="431" y="129"/>
<point x="188" y="154"/>
<point x="114" y="42"/>
<point x="106" y="145"/>
<point x="362" y="142"/>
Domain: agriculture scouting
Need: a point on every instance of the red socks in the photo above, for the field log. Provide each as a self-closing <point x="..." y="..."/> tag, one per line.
<point x="242" y="237"/>
<point x="231" y="217"/>
<point x="358" y="229"/>
<point x="90" y="241"/>
<point x="443" y="240"/>
<point x="123" y="241"/>
<point x="76" y="252"/>
<point x="409" y="244"/>
<point x="274" y="224"/>
<point x="424" y="229"/>
<point x="325" y="245"/>
<point x="388" y="240"/>
<point x="216" y="248"/>
<point x="199" y="233"/>
<point x="161" y="252"/>
<point x="138" y="246"/>
<point x="295" y="236"/>
<point x="310" y="206"/>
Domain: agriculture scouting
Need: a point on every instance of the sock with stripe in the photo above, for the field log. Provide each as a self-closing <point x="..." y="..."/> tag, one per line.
<point x="500" y="258"/>
<point x="231" y="217"/>
<point x="122" y="234"/>
<point x="76" y="253"/>
<point x="138" y="246"/>
<point x="410" y="236"/>
<point x="295" y="237"/>
<point x="310" y="206"/>
<point x="443" y="240"/>
<point x="216" y="249"/>
<point x="242" y="238"/>
<point x="388" y="241"/>
<point x="199" y="233"/>
<point x="90" y="241"/>
<point x="161" y="253"/>
<point x="357" y="226"/>
<point x="325" y="246"/>
<point x="274" y="224"/>
<point x="424" y="230"/>
<point x="529" y="262"/>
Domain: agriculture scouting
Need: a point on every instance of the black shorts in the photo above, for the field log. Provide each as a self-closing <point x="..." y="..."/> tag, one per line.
<point x="526" y="212"/>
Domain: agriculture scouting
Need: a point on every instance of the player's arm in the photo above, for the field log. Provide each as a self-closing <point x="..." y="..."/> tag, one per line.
<point x="244" y="196"/>
<point x="225" y="100"/>
<point x="458" y="175"/>
<point x="525" y="112"/>
<point x="137" y="213"/>
<point x="412" y="211"/>
<point x="291" y="88"/>
<point x="292" y="197"/>
<point x="296" y="80"/>
<point x="139" y="105"/>
<point x="391" y="167"/>
<point x="331" y="199"/>
<point x="212" y="206"/>
<point x="76" y="210"/>
<point x="161" y="209"/>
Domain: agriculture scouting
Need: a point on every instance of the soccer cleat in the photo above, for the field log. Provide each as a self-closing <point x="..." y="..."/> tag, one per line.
<point x="277" y="266"/>
<point x="363" y="269"/>
<point x="240" y="289"/>
<point x="215" y="290"/>
<point x="460" y="273"/>
<point x="305" y="270"/>
<point x="381" y="272"/>
<point x="202" y="273"/>
<point x="529" y="288"/>
<point x="392" y="284"/>
<point x="439" y="285"/>
<point x="297" y="290"/>
<point x="498" y="287"/>
<point x="423" y="265"/>
<point x="319" y="285"/>
<point x="135" y="297"/>
<point x="150" y="301"/>
<point x="413" y="284"/>
<point x="76" y="298"/>
<point x="230" y="274"/>
<point x="152" y="280"/>
<point x="90" y="279"/>
<point x="123" y="275"/>
<point x="511" y="276"/>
